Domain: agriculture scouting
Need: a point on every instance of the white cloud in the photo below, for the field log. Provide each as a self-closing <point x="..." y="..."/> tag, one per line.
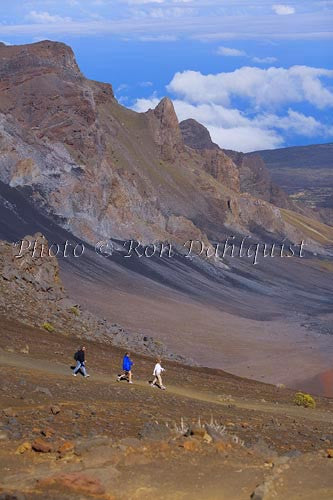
<point x="264" y="60"/>
<point x="158" y="38"/>
<point x="142" y="105"/>
<point x="122" y="87"/>
<point x="143" y="2"/>
<point x="245" y="139"/>
<point x="198" y="19"/>
<point x="146" y="84"/>
<point x="162" y="13"/>
<point x="283" y="10"/>
<point x="294" y="122"/>
<point x="229" y="52"/>
<point x="263" y="88"/>
<point x="46" y="18"/>
<point x="146" y="2"/>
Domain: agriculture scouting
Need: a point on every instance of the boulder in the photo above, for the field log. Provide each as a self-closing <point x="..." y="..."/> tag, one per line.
<point x="55" y="409"/>
<point x="41" y="446"/>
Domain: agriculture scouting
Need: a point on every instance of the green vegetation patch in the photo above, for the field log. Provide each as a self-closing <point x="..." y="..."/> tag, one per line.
<point x="48" y="327"/>
<point x="302" y="399"/>
<point x="75" y="310"/>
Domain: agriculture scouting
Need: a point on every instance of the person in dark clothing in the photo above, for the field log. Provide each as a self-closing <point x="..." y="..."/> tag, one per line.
<point x="127" y="367"/>
<point x="80" y="358"/>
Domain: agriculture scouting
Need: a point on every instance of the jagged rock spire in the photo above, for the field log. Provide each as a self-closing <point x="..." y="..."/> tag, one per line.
<point x="165" y="127"/>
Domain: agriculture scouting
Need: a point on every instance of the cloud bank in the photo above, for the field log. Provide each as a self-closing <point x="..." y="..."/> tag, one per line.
<point x="283" y="10"/>
<point x="198" y="19"/>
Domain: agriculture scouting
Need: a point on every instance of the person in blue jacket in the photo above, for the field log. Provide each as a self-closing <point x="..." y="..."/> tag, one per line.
<point x="127" y="367"/>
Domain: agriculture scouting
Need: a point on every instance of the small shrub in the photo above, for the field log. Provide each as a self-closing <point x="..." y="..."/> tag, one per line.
<point x="302" y="399"/>
<point x="48" y="327"/>
<point x="75" y="310"/>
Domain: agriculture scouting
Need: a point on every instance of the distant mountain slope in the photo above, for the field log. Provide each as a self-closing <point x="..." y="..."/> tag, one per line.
<point x="306" y="173"/>
<point x="315" y="156"/>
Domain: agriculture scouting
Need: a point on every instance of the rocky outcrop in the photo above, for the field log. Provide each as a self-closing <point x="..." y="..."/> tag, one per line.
<point x="222" y="168"/>
<point x="255" y="179"/>
<point x="216" y="162"/>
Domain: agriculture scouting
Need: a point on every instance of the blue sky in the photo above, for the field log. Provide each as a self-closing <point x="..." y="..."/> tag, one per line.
<point x="258" y="74"/>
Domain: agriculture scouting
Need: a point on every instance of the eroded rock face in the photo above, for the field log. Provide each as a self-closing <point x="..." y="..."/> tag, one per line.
<point x="218" y="164"/>
<point x="255" y="179"/>
<point x="107" y="171"/>
<point x="222" y="168"/>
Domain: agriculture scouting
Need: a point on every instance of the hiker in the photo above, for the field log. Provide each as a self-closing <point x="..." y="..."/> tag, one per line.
<point x="79" y="357"/>
<point x="127" y="368"/>
<point x="157" y="375"/>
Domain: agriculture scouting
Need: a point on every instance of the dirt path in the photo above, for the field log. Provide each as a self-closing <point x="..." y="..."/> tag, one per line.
<point x="61" y="370"/>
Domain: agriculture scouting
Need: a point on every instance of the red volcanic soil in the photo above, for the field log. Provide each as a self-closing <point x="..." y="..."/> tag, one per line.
<point x="71" y="438"/>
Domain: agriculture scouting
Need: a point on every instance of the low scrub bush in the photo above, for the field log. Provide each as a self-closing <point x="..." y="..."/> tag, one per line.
<point x="48" y="327"/>
<point x="75" y="310"/>
<point x="306" y="400"/>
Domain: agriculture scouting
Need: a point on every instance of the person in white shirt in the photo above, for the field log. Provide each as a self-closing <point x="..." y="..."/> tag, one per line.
<point x="157" y="375"/>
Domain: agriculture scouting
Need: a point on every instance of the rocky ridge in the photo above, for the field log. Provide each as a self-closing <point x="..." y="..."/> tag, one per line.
<point x="106" y="171"/>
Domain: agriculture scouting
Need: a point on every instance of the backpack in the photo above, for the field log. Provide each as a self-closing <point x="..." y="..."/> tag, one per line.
<point x="76" y="356"/>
